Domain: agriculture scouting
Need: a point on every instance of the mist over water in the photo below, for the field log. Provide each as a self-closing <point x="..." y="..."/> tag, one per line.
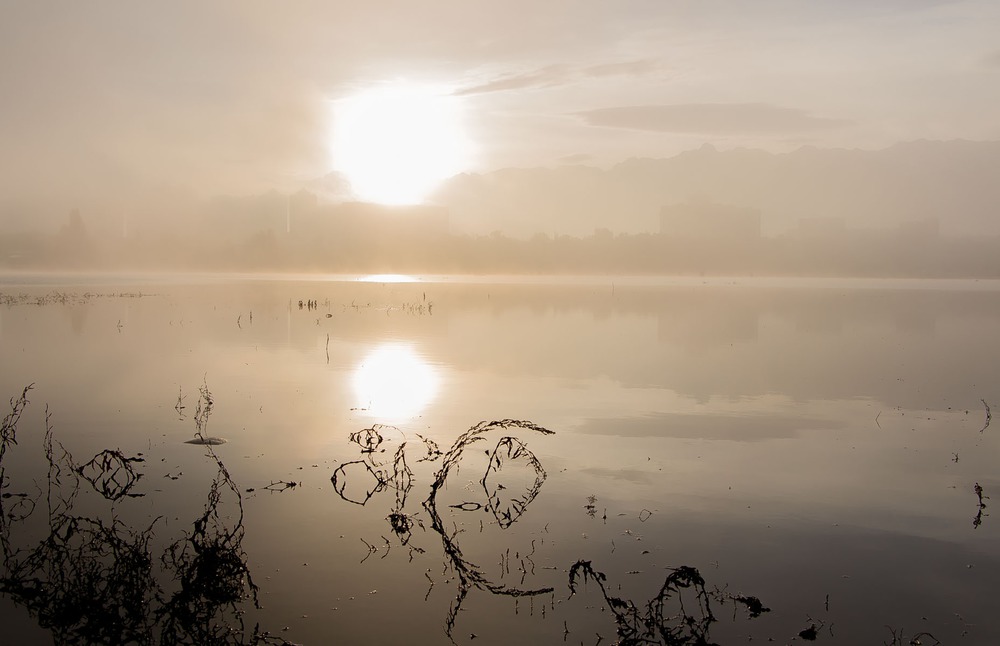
<point x="463" y="455"/>
<point x="633" y="323"/>
<point x="924" y="209"/>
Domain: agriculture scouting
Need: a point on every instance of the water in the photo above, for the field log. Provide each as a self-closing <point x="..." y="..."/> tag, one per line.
<point x="812" y="444"/>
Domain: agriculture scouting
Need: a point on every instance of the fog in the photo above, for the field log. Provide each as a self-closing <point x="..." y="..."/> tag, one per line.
<point x="922" y="209"/>
<point x="195" y="137"/>
<point x="495" y="319"/>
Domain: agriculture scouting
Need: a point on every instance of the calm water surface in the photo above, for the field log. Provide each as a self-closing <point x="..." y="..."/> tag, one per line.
<point x="815" y="445"/>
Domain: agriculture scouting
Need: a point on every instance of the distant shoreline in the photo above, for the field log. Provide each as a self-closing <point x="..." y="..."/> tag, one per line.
<point x="48" y="279"/>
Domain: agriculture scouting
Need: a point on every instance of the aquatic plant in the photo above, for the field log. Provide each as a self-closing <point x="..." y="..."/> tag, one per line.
<point x="92" y="579"/>
<point x="470" y="575"/>
<point x="666" y="619"/>
<point x="112" y="474"/>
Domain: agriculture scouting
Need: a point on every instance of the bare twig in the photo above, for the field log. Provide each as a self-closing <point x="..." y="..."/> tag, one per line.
<point x="280" y="485"/>
<point x="978" y="520"/>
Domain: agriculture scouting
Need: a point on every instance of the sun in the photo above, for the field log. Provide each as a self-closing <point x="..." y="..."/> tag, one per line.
<point x="396" y="143"/>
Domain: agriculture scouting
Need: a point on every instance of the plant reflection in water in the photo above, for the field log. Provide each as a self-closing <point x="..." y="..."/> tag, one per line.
<point x="666" y="618"/>
<point x="358" y="481"/>
<point x="511" y="479"/>
<point x="94" y="580"/>
<point x="507" y="508"/>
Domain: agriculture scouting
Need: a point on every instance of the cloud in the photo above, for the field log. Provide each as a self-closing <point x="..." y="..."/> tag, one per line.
<point x="992" y="60"/>
<point x="714" y="118"/>
<point x="547" y="76"/>
<point x="627" y="68"/>
<point x="561" y="74"/>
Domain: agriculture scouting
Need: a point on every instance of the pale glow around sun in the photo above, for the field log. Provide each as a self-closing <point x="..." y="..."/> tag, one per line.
<point x="393" y="383"/>
<point x="396" y="143"/>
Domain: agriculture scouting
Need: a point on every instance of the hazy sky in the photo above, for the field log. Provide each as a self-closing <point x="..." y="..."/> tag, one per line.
<point x="240" y="96"/>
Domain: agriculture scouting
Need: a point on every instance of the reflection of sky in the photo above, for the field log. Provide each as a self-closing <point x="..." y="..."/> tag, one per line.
<point x="901" y="348"/>
<point x="742" y="419"/>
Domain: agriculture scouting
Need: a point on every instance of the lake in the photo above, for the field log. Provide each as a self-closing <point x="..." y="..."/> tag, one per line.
<point x="507" y="460"/>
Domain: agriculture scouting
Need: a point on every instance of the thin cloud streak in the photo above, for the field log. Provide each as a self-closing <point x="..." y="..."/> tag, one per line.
<point x="561" y="74"/>
<point x="547" y="76"/>
<point x="709" y="118"/>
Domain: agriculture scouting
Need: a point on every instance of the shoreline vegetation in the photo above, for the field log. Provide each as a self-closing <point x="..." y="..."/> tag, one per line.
<point x="858" y="255"/>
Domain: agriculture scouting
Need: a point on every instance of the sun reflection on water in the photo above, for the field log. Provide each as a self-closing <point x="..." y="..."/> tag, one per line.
<point x="387" y="278"/>
<point x="393" y="383"/>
